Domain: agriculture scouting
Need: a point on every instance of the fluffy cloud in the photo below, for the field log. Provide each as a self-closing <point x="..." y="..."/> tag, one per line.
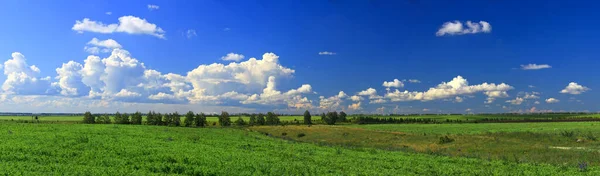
<point x="22" y="78"/>
<point x="69" y="79"/>
<point x="414" y="81"/>
<point x="355" y="106"/>
<point x="356" y="98"/>
<point x="190" y="33"/>
<point x="153" y="7"/>
<point x="333" y="102"/>
<point x="516" y="101"/>
<point x="326" y="53"/>
<point x="396" y="83"/>
<point x="457" y="86"/>
<point x="552" y="100"/>
<point x="377" y="101"/>
<point x="458" y="99"/>
<point x="535" y="66"/>
<point x="96" y="46"/>
<point x="127" y="24"/>
<point x="457" y="28"/>
<point x="232" y="57"/>
<point x="574" y="89"/>
<point x="368" y="92"/>
<point x="532" y="95"/>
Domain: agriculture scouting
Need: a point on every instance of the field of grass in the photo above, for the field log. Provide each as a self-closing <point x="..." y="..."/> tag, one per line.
<point x="473" y="117"/>
<point x="68" y="149"/>
<point x="514" y="142"/>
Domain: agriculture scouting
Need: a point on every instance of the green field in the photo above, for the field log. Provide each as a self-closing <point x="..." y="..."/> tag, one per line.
<point x="67" y="149"/>
<point x="473" y="128"/>
<point x="472" y="117"/>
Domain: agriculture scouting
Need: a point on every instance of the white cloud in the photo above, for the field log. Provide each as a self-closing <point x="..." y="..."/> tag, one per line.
<point x="532" y="95"/>
<point x="69" y="79"/>
<point x="377" y="101"/>
<point x="457" y="86"/>
<point x="368" y="92"/>
<point x="127" y="24"/>
<point x="355" y="106"/>
<point x="468" y="110"/>
<point x="492" y="95"/>
<point x="396" y="83"/>
<point x="536" y="102"/>
<point x="22" y="78"/>
<point x="458" y="99"/>
<point x="414" y="81"/>
<point x="190" y="33"/>
<point x="333" y="102"/>
<point x="425" y="110"/>
<point x="232" y="57"/>
<point x="457" y="28"/>
<point x="516" y="101"/>
<point x="356" y="98"/>
<point x="531" y="86"/>
<point x="552" y="100"/>
<point x="124" y="93"/>
<point x="108" y="43"/>
<point x="535" y="66"/>
<point x="574" y="89"/>
<point x="108" y="13"/>
<point x="153" y="7"/>
<point x="326" y="53"/>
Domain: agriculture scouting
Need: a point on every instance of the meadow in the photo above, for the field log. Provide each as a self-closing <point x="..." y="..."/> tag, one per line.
<point x="62" y="145"/>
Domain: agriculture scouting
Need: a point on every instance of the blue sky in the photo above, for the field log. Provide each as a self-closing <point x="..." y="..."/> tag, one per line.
<point x="172" y="56"/>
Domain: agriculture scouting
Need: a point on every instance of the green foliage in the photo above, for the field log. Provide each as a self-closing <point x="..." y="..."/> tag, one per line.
<point x="136" y="118"/>
<point x="168" y="119"/>
<point x="200" y="120"/>
<point x="272" y="119"/>
<point x="224" y="119"/>
<point x="176" y="119"/>
<point x="89" y="118"/>
<point x="121" y="118"/>
<point x="331" y="118"/>
<point x="445" y="140"/>
<point x="105" y="119"/>
<point x="307" y="118"/>
<point x="152" y="118"/>
<point x="240" y="121"/>
<point x="342" y="117"/>
<point x="189" y="119"/>
<point x="252" y="120"/>
<point x="567" y="133"/>
<point x="260" y="119"/>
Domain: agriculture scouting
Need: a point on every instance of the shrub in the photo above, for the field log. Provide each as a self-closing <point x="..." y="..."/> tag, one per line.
<point x="240" y="121"/>
<point x="307" y="118"/>
<point x="189" y="119"/>
<point x="89" y="118"/>
<point x="158" y="119"/>
<point x="105" y="119"/>
<point x="200" y="120"/>
<point x="176" y="119"/>
<point x="342" y="117"/>
<point x="224" y="119"/>
<point x="136" y="118"/>
<point x="445" y="140"/>
<point x="252" y="120"/>
<point x="567" y="133"/>
<point x="272" y="119"/>
<point x="591" y="137"/>
<point x="151" y="118"/>
<point x="301" y="135"/>
<point x="168" y="119"/>
<point x="331" y="118"/>
<point x="126" y="118"/>
<point x="260" y="119"/>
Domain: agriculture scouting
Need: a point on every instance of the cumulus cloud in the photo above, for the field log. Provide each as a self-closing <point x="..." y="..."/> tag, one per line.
<point x="395" y="83"/>
<point x="355" y="106"/>
<point x="516" y="101"/>
<point x="127" y="24"/>
<point x="356" y="98"/>
<point x="232" y="57"/>
<point x="457" y="86"/>
<point x="326" y="53"/>
<point x="69" y="79"/>
<point x="532" y="95"/>
<point x="574" y="89"/>
<point x="152" y="7"/>
<point x="22" y="78"/>
<point x="535" y="66"/>
<point x="377" y="101"/>
<point x="368" y="92"/>
<point x="552" y="100"/>
<point x="333" y="102"/>
<point x="458" y="99"/>
<point x="457" y="28"/>
<point x="96" y="46"/>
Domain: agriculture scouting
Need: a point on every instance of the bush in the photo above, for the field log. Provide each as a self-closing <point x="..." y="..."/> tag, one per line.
<point x="591" y="137"/>
<point x="252" y="120"/>
<point x="567" y="133"/>
<point x="330" y="118"/>
<point x="342" y="117"/>
<point x="260" y="119"/>
<point x="105" y="119"/>
<point x="240" y="121"/>
<point x="176" y="119"/>
<point x="121" y="118"/>
<point x="301" y="135"/>
<point x="136" y="118"/>
<point x="88" y="118"/>
<point x="189" y="119"/>
<point x="272" y="119"/>
<point x="445" y="140"/>
<point x="224" y="119"/>
<point x="200" y="120"/>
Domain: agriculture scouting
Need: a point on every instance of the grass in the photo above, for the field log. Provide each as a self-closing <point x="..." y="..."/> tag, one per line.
<point x="67" y="149"/>
<point x="514" y="142"/>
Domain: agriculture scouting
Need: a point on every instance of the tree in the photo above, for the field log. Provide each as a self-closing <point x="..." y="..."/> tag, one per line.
<point x="105" y="119"/>
<point x="89" y="118"/>
<point x="168" y="119"/>
<point x="189" y="119"/>
<point x="136" y="118"/>
<point x="224" y="119"/>
<point x="272" y="119"/>
<point x="260" y="119"/>
<point x="331" y="118"/>
<point x="200" y="120"/>
<point x="158" y="119"/>
<point x="150" y="118"/>
<point x="324" y="117"/>
<point x="125" y="118"/>
<point x="307" y="118"/>
<point x="342" y="117"/>
<point x="176" y="119"/>
<point x="240" y="121"/>
<point x="121" y="118"/>
<point x="252" y="120"/>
